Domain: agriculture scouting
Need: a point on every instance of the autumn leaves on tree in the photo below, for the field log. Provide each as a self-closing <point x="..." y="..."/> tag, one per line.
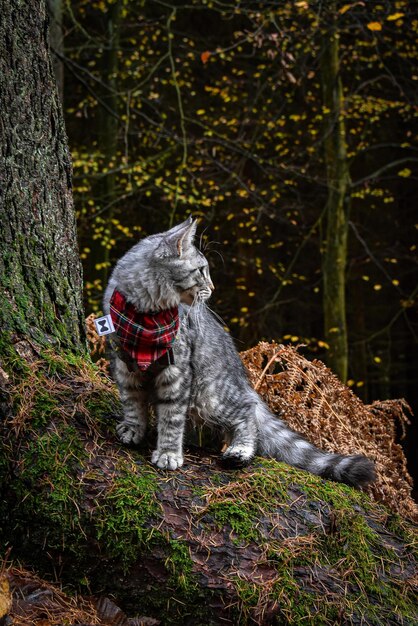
<point x="289" y="130"/>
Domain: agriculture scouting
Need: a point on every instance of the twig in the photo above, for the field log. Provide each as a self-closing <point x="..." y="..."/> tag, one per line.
<point x="263" y="373"/>
<point x="181" y="111"/>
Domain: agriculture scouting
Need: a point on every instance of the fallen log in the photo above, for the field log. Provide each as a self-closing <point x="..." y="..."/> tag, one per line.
<point x="267" y="544"/>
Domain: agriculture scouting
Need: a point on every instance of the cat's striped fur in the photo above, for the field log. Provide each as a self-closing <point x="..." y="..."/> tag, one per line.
<point x="208" y="379"/>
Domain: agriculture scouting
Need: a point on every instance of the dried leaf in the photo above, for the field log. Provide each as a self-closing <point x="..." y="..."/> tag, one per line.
<point x="317" y="404"/>
<point x="5" y="596"/>
<point x="110" y="613"/>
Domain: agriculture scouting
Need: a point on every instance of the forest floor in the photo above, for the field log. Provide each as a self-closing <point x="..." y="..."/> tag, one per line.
<point x="266" y="544"/>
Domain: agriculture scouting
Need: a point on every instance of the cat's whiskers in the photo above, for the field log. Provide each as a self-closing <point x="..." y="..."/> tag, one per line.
<point x="218" y="317"/>
<point x="201" y="318"/>
<point x="201" y="238"/>
<point x="197" y="314"/>
<point x="190" y="309"/>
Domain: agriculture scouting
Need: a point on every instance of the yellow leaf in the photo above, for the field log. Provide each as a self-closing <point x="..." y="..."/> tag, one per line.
<point x="323" y="344"/>
<point x="394" y="16"/>
<point x="374" y="26"/>
<point x="377" y="359"/>
<point x="405" y="172"/>
<point x="345" y="8"/>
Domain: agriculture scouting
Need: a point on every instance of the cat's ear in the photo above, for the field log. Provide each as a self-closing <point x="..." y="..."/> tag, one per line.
<point x="180" y="238"/>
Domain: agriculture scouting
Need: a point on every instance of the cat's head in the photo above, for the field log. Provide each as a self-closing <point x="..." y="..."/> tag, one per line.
<point x="183" y="266"/>
<point x="167" y="268"/>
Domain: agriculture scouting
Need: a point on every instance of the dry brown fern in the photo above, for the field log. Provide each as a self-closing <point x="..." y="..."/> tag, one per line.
<point x="96" y="344"/>
<point x="317" y="404"/>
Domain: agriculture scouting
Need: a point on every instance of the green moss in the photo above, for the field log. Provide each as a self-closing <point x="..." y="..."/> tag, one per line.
<point x="14" y="364"/>
<point x="242" y="520"/>
<point x="247" y="499"/>
<point x="47" y="489"/>
<point x="285" y="602"/>
<point x="349" y="545"/>
<point x="376" y="579"/>
<point x="44" y="407"/>
<point x="180" y="566"/>
<point x="102" y="404"/>
<point x="125" y="513"/>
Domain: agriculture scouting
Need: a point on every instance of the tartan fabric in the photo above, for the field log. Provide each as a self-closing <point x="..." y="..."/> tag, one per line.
<point x="146" y="337"/>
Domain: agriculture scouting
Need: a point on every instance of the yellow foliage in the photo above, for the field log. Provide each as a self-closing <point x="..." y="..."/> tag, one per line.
<point x="374" y="26"/>
<point x="394" y="16"/>
<point x="405" y="172"/>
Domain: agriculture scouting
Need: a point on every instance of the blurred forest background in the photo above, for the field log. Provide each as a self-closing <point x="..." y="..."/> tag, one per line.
<point x="290" y="129"/>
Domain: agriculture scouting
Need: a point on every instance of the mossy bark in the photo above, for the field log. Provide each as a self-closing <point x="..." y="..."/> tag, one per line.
<point x="40" y="275"/>
<point x="334" y="258"/>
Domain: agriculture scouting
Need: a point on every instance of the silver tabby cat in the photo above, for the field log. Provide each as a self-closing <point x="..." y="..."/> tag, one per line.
<point x="208" y="379"/>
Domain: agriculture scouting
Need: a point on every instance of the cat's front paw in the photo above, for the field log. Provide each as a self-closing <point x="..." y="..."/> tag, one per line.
<point x="238" y="456"/>
<point x="167" y="460"/>
<point x="129" y="434"/>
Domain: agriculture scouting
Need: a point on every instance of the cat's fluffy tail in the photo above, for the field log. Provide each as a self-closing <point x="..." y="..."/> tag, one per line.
<point x="278" y="441"/>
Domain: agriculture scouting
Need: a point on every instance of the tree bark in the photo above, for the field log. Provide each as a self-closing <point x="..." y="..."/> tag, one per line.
<point x="56" y="40"/>
<point x="338" y="180"/>
<point x="40" y="275"/>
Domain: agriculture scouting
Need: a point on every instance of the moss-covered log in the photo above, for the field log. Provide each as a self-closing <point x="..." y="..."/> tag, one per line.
<point x="266" y="544"/>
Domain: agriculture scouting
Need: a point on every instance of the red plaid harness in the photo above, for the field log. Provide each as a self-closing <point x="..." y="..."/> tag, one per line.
<point x="147" y="338"/>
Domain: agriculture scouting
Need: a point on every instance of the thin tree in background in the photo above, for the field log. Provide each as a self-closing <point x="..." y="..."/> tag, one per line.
<point x="334" y="256"/>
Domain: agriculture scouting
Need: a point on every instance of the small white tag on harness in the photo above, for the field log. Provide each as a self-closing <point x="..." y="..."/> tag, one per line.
<point x="104" y="325"/>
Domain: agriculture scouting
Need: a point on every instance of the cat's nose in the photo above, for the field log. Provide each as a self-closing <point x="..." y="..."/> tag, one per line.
<point x="211" y="286"/>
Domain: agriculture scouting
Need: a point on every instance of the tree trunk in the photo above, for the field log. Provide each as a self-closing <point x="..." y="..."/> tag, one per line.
<point x="56" y="40"/>
<point x="338" y="180"/>
<point x="40" y="275"/>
